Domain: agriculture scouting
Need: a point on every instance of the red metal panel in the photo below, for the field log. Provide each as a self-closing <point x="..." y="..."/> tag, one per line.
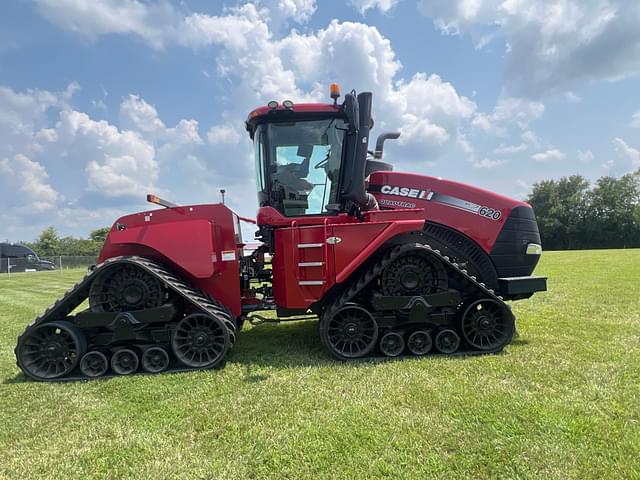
<point x="197" y="242"/>
<point x="359" y="241"/>
<point x="188" y="243"/>
<point x="481" y="229"/>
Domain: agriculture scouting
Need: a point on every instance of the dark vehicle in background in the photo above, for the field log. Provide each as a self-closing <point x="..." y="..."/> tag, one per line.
<point x="18" y="258"/>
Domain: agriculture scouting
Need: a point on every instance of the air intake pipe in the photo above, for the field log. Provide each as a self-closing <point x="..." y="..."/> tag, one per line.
<point x="377" y="154"/>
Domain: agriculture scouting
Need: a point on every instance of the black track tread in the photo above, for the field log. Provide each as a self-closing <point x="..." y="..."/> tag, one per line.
<point x="392" y="254"/>
<point x="73" y="297"/>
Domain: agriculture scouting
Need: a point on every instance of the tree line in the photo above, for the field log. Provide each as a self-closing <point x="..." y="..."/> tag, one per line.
<point x="573" y="214"/>
<point x="49" y="243"/>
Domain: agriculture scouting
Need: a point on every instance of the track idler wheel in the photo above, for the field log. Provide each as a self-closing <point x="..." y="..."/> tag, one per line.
<point x="50" y="350"/>
<point x="155" y="360"/>
<point x="392" y="344"/>
<point x="419" y="342"/>
<point x="201" y="340"/>
<point x="447" y="341"/>
<point x="349" y="332"/>
<point x="487" y="325"/>
<point x="125" y="362"/>
<point x="94" y="364"/>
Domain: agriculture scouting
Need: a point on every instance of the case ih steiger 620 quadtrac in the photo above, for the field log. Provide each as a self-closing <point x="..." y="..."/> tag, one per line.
<point x="391" y="263"/>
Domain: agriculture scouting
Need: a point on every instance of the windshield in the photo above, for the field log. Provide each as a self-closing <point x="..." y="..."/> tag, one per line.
<point x="298" y="163"/>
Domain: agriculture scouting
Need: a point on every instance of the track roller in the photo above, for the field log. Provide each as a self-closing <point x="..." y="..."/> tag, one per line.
<point x="392" y="344"/>
<point x="94" y="364"/>
<point x="50" y="350"/>
<point x="125" y="361"/>
<point x="201" y="340"/>
<point x="419" y="342"/>
<point x="349" y="332"/>
<point x="447" y="341"/>
<point x="155" y="360"/>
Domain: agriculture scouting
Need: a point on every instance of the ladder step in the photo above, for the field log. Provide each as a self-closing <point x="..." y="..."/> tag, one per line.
<point x="311" y="282"/>
<point x="310" y="245"/>
<point x="310" y="264"/>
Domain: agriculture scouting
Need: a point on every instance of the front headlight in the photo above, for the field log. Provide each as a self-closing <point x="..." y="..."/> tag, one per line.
<point x="534" y="249"/>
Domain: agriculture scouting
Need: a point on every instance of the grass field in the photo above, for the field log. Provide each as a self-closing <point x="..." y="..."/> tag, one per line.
<point x="563" y="401"/>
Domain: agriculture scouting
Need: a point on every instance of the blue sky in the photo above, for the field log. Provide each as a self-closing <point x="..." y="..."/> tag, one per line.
<point x="104" y="101"/>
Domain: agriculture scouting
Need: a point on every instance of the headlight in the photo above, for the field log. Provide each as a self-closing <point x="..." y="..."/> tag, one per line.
<point x="534" y="249"/>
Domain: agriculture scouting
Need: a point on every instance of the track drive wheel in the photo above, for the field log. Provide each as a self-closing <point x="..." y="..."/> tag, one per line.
<point x="487" y="325"/>
<point x="50" y="350"/>
<point x="414" y="273"/>
<point x="125" y="287"/>
<point x="200" y="340"/>
<point x="392" y="344"/>
<point x="349" y="332"/>
<point x="419" y="342"/>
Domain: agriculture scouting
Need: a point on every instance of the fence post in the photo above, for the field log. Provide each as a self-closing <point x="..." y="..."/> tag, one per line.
<point x="60" y="263"/>
<point x="8" y="266"/>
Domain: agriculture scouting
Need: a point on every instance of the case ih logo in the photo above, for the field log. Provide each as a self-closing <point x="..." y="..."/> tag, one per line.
<point x="405" y="192"/>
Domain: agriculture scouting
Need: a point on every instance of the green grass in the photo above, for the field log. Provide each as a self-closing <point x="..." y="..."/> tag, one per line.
<point x="563" y="401"/>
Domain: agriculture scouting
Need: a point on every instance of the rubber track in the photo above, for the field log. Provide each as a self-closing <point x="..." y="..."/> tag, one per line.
<point x="392" y="254"/>
<point x="73" y="297"/>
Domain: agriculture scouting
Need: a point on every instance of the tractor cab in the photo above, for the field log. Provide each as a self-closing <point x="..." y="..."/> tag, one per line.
<point x="298" y="163"/>
<point x="311" y="158"/>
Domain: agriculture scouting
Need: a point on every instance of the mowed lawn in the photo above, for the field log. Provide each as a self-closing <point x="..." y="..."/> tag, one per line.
<point x="563" y="401"/>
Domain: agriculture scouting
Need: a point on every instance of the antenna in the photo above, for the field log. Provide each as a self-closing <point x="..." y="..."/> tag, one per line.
<point x="222" y="192"/>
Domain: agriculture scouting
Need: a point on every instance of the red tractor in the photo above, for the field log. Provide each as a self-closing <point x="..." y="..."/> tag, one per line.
<point x="391" y="263"/>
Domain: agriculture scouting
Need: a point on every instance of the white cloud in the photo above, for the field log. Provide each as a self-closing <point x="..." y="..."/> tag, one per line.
<point x="383" y="5"/>
<point x="89" y="18"/>
<point x="120" y="163"/>
<point x="552" y="45"/>
<point x="571" y="97"/>
<point x="635" y="120"/>
<point x="225" y="134"/>
<point x="608" y="164"/>
<point x="627" y="151"/>
<point x="300" y="11"/>
<point x="548" y="155"/>
<point x="507" y="113"/>
<point x="30" y="179"/>
<point x="488" y="163"/>
<point x="586" y="156"/>
<point x="427" y="110"/>
<point x="137" y="114"/>
<point x="510" y="149"/>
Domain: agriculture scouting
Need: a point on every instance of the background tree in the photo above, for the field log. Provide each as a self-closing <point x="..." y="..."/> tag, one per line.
<point x="561" y="208"/>
<point x="571" y="215"/>
<point x="99" y="234"/>
<point x="614" y="207"/>
<point x="49" y="244"/>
